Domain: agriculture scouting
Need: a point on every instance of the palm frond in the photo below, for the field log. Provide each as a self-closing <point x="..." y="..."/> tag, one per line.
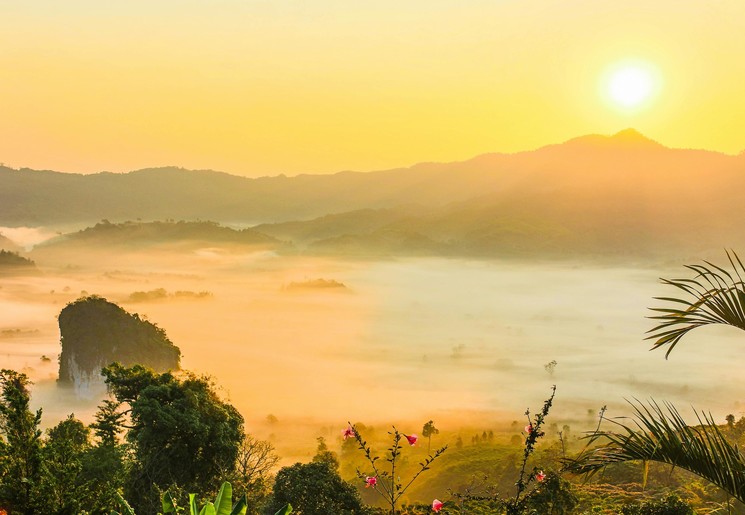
<point x="662" y="435"/>
<point x="713" y="296"/>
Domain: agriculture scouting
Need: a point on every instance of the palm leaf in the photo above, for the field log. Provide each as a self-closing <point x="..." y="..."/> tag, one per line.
<point x="663" y="436"/>
<point x="713" y="296"/>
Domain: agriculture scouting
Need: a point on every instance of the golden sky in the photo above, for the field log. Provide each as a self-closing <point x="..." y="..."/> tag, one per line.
<point x="261" y="87"/>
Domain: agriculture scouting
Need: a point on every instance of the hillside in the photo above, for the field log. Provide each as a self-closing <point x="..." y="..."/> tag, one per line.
<point x="13" y="263"/>
<point x="565" y="221"/>
<point x="142" y="235"/>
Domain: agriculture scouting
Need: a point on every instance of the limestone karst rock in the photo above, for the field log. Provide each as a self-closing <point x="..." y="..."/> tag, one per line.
<point x="95" y="332"/>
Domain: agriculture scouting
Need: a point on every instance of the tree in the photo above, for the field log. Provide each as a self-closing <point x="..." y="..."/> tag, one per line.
<point x="428" y="430"/>
<point x="63" y="487"/>
<point x="252" y="472"/>
<point x="180" y="432"/>
<point x="315" y="488"/>
<point x="21" y="458"/>
<point x="714" y="296"/>
<point x="555" y="497"/>
<point x="550" y="367"/>
<point x="104" y="465"/>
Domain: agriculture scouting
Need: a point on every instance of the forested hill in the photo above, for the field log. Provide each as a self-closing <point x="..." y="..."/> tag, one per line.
<point x="141" y="235"/>
<point x="644" y="174"/>
<point x="11" y="262"/>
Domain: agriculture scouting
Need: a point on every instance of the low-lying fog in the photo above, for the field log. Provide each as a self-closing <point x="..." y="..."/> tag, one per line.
<point x="412" y="339"/>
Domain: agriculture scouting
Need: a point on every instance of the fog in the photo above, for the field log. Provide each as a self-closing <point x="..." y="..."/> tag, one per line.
<point x="460" y="342"/>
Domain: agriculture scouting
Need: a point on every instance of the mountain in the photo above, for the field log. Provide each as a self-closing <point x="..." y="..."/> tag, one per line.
<point x="618" y="196"/>
<point x="625" y="160"/>
<point x="614" y="195"/>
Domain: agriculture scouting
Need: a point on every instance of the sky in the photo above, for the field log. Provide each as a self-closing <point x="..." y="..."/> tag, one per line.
<point x="263" y="87"/>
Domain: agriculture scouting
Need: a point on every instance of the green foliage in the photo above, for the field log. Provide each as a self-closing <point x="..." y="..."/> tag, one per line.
<point x="95" y="332"/>
<point x="521" y="502"/>
<point x="315" y="488"/>
<point x="180" y="432"/>
<point x="20" y="462"/>
<point x="60" y="474"/>
<point x="104" y="464"/>
<point x="670" y="505"/>
<point x="714" y="296"/>
<point x="556" y="496"/>
<point x="108" y="422"/>
<point x="663" y="436"/>
<point x="223" y="504"/>
<point x="323" y="454"/>
<point x="63" y="487"/>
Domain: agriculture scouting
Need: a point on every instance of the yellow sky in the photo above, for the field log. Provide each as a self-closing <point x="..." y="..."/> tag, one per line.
<point x="259" y="87"/>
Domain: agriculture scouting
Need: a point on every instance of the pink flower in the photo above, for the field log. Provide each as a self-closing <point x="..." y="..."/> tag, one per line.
<point x="529" y="428"/>
<point x="412" y="439"/>
<point x="437" y="506"/>
<point x="371" y="481"/>
<point x="540" y="476"/>
<point x="348" y="432"/>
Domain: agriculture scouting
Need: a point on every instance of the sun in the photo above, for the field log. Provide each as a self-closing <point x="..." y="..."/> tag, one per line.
<point x="631" y="85"/>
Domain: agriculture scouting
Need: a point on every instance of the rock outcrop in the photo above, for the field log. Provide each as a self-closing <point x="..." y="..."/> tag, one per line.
<point x="95" y="333"/>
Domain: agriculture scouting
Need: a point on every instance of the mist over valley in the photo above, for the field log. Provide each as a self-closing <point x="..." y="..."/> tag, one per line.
<point x="446" y="303"/>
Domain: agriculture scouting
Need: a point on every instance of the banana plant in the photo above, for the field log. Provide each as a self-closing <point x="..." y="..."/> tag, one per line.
<point x="223" y="505"/>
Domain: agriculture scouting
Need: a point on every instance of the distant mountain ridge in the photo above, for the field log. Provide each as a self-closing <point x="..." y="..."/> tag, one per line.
<point x="36" y="198"/>
<point x="603" y="195"/>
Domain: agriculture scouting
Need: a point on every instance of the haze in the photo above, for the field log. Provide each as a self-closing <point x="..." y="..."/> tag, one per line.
<point x="439" y="291"/>
<point x="407" y="339"/>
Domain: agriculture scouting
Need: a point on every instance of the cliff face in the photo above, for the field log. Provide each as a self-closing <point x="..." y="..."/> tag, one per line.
<point x="95" y="332"/>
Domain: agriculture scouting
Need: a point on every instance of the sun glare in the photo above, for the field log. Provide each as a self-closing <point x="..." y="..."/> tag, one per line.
<point x="631" y="85"/>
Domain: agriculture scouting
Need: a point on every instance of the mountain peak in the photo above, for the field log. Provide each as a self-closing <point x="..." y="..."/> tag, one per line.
<point x="629" y="132"/>
<point x="625" y="140"/>
<point x="631" y="135"/>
